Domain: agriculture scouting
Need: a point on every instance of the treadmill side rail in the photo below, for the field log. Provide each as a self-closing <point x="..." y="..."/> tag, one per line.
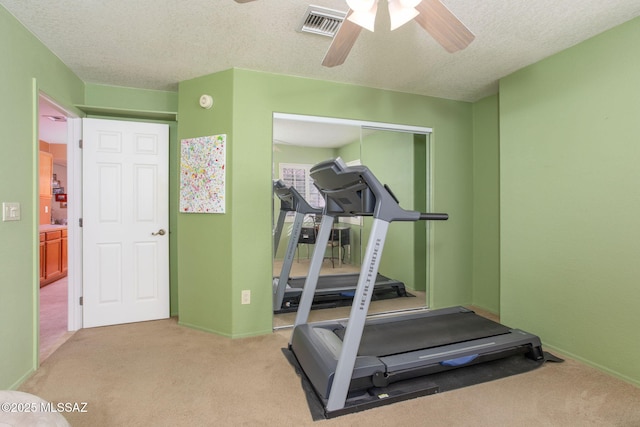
<point x="416" y="359"/>
<point x="358" y="316"/>
<point x="311" y="283"/>
<point x="290" y="201"/>
<point x="287" y="263"/>
<point x="277" y="232"/>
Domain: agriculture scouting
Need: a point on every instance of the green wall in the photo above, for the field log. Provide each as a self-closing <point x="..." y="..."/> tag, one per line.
<point x="390" y="157"/>
<point x="134" y="102"/>
<point x="32" y="68"/>
<point x="570" y="199"/>
<point x="205" y="242"/>
<point x="219" y="256"/>
<point x="350" y="153"/>
<point x="486" y="204"/>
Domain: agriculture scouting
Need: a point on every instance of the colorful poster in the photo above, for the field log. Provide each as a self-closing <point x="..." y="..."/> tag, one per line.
<point x="202" y="174"/>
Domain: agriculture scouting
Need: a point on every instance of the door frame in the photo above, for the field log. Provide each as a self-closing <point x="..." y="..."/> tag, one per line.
<point x="74" y="213"/>
<point x="387" y="127"/>
<point x="74" y="239"/>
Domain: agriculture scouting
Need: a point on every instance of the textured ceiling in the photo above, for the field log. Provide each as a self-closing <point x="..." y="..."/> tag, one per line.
<point x="53" y="132"/>
<point x="155" y="44"/>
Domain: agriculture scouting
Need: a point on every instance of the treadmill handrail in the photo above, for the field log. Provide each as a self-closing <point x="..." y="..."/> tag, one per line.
<point x="355" y="191"/>
<point x="426" y="216"/>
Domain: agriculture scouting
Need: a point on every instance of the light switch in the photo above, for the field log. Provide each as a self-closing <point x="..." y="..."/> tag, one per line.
<point x="10" y="211"/>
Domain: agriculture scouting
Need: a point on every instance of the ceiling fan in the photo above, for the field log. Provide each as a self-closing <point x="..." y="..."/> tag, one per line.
<point x="432" y="15"/>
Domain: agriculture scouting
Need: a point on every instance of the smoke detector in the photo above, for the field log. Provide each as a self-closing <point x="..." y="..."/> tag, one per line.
<point x="321" y="20"/>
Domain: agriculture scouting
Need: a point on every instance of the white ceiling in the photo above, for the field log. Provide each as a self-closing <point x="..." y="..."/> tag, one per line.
<point x="313" y="134"/>
<point x="155" y="44"/>
<point x="51" y="131"/>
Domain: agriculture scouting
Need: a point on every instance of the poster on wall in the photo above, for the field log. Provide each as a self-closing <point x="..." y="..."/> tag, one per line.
<point x="202" y="174"/>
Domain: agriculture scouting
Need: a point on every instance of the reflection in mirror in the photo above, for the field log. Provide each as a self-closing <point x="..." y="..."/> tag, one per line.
<point x="398" y="157"/>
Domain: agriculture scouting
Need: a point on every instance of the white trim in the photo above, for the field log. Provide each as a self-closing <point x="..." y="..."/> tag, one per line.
<point x="363" y="123"/>
<point x="74" y="213"/>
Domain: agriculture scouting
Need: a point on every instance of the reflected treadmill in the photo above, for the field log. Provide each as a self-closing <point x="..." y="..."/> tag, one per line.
<point x="331" y="290"/>
<point x="355" y="364"/>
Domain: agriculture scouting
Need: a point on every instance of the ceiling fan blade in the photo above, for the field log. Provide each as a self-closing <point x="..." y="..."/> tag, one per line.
<point x="443" y="25"/>
<point x="243" y="1"/>
<point x="342" y="42"/>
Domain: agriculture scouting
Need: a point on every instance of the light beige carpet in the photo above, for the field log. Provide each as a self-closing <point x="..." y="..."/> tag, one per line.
<point x="162" y="374"/>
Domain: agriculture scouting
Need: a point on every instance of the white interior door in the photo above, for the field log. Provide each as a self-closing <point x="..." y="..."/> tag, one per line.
<point x="125" y="222"/>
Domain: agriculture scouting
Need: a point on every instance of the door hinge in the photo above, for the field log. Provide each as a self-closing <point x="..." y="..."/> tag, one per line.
<point x="80" y="222"/>
<point x="80" y="143"/>
<point x="81" y="300"/>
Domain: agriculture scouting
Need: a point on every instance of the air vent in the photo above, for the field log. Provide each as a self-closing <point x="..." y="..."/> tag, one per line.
<point x="323" y="21"/>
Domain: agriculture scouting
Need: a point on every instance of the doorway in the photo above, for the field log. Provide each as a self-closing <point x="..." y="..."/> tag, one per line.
<point x="59" y="133"/>
<point x="55" y="200"/>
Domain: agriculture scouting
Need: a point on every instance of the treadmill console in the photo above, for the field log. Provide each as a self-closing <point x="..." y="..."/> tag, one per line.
<point x="281" y="190"/>
<point x="345" y="192"/>
<point x="291" y="200"/>
<point x="355" y="191"/>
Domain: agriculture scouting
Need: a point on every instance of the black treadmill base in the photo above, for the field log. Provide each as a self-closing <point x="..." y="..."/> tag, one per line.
<point x="323" y="301"/>
<point x="417" y="387"/>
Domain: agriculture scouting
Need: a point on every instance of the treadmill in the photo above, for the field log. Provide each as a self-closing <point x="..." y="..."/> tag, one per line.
<point x="287" y="204"/>
<point x="331" y="290"/>
<point x="354" y="364"/>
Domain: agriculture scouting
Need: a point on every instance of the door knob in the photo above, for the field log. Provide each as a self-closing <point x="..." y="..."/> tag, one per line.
<point x="160" y="232"/>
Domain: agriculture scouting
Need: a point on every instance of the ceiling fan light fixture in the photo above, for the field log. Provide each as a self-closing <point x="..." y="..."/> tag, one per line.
<point x="366" y="19"/>
<point x="400" y="14"/>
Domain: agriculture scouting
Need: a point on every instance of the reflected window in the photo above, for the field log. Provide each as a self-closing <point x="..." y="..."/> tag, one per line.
<point x="297" y="176"/>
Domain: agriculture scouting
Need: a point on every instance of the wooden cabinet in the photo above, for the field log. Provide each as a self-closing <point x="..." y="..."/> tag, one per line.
<point x="46" y="196"/>
<point x="53" y="255"/>
<point x="46" y="172"/>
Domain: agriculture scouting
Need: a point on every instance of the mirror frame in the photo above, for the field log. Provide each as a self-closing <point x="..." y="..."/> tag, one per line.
<point x="378" y="126"/>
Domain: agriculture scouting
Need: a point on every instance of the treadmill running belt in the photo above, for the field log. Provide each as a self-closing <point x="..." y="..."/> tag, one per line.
<point x="334" y="281"/>
<point x="388" y="338"/>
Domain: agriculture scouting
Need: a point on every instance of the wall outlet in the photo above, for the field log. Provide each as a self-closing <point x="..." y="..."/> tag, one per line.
<point x="246" y="297"/>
